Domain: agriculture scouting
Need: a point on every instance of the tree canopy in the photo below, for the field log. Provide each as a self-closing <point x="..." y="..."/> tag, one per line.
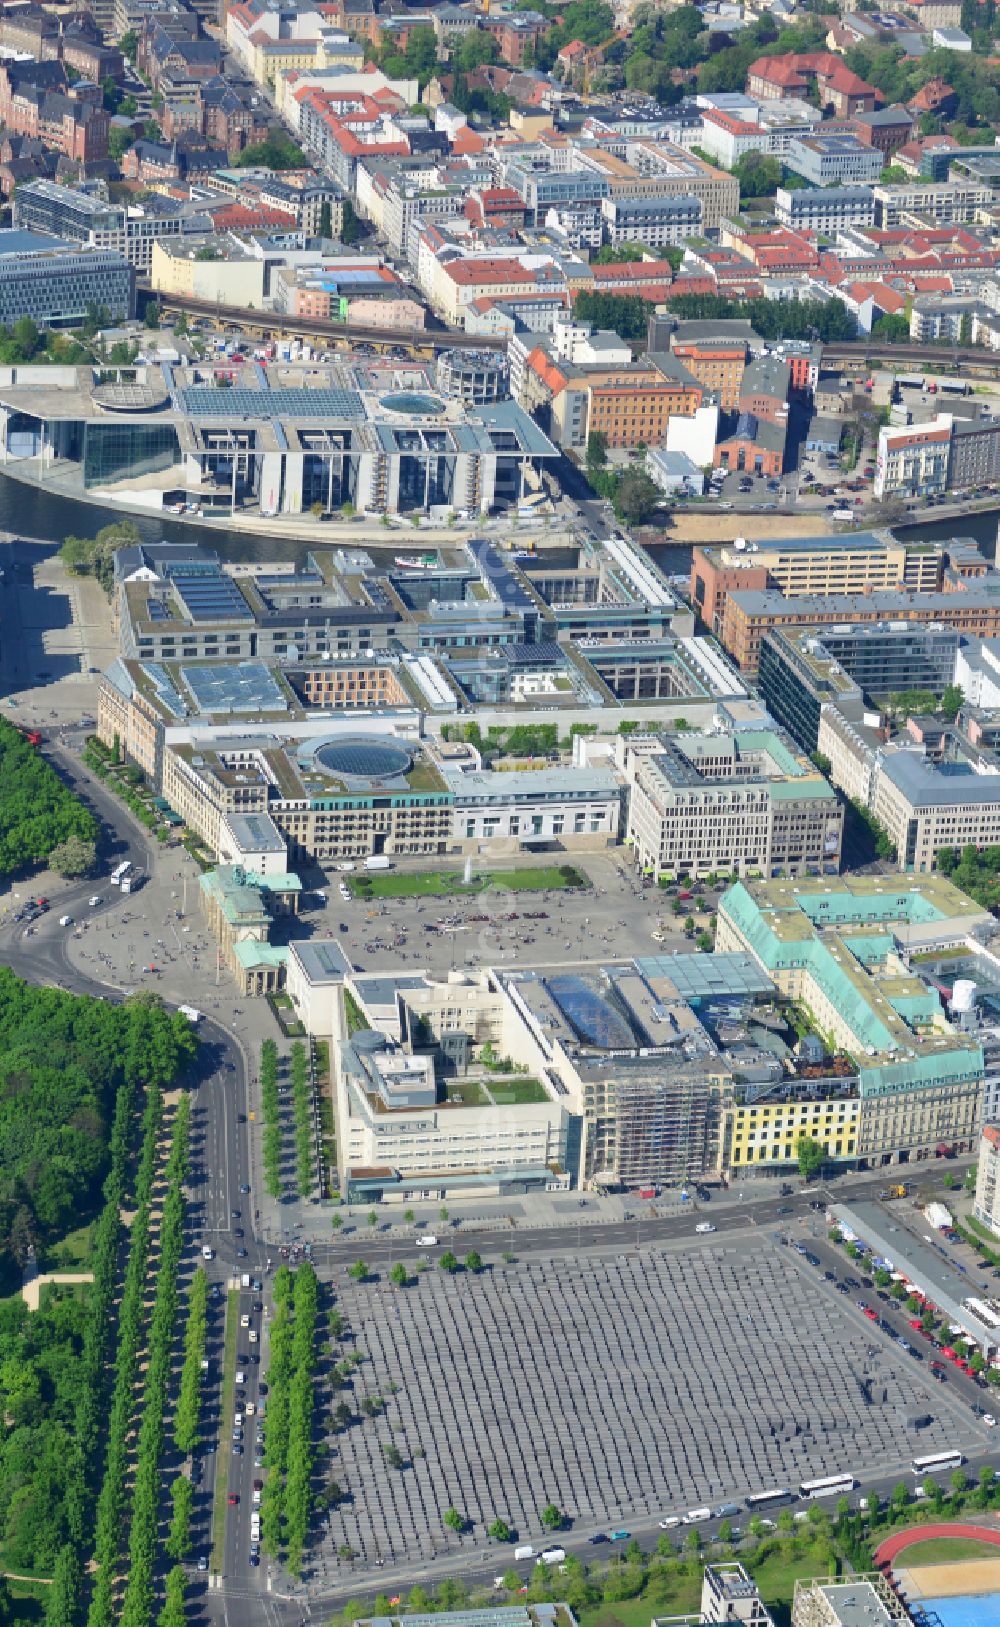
<point x="62" y="1058"/>
<point x="38" y="814"/>
<point x="276" y="151"/>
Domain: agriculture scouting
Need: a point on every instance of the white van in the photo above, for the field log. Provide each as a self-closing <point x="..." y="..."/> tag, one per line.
<point x="553" y="1556"/>
<point x="704" y="1226"/>
<point x="525" y="1552"/>
<point x="697" y="1516"/>
<point x="427" y="1242"/>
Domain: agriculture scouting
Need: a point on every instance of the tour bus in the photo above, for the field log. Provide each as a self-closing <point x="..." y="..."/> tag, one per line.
<point x="122" y="870"/>
<point x="835" y="1485"/>
<point x="937" y="1462"/>
<point x="761" y="1501"/>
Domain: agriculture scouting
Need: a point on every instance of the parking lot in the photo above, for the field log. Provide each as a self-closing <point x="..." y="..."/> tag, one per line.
<point x="619" y="1387"/>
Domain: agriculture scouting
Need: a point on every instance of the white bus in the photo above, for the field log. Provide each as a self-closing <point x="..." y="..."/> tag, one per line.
<point x="937" y="1462"/>
<point x="122" y="870"/>
<point x="835" y="1485"/>
<point x="769" y="1499"/>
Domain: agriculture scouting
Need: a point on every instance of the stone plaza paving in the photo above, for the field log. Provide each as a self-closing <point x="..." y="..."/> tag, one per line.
<point x="619" y="1387"/>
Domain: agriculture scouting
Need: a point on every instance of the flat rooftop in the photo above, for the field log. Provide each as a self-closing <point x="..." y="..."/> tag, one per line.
<point x="925" y="1265"/>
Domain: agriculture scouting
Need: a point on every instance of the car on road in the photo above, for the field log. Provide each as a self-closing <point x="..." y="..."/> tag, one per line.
<point x="784" y="1209"/>
<point x="619" y="1536"/>
<point x="237" y="1449"/>
<point x="867" y="1310"/>
<point x="989" y="1420"/>
<point x="255" y="1559"/>
<point x="233" y="1499"/>
<point x="234" y="1214"/>
<point x="241" y="1253"/>
<point x="594" y="1541"/>
<point x="95" y="901"/>
<point x="65" y="920"/>
<point x="245" y="1187"/>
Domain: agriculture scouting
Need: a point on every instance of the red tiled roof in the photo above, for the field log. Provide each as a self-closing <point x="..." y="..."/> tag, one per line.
<point x="635" y="271"/>
<point x="467" y="273"/>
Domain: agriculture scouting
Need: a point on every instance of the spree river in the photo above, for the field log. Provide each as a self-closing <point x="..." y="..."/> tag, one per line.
<point x="35" y="514"/>
<point x="32" y="512"/>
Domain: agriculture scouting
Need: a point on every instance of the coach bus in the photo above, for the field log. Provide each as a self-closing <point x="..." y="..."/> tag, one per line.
<point x="835" y="1485"/>
<point x="937" y="1463"/>
<point x="763" y="1500"/>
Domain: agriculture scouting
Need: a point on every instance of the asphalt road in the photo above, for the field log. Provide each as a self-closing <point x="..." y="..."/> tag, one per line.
<point x="646" y="1227"/>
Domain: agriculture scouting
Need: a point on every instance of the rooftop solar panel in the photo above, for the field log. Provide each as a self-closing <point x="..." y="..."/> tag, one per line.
<point x="203" y="401"/>
<point x="212" y="598"/>
<point x="244" y="687"/>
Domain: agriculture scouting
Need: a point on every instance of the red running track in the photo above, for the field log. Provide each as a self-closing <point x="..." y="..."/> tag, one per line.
<point x="889" y="1550"/>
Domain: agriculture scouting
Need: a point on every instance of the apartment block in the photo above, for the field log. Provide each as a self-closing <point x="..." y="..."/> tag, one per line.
<point x="802" y="673"/>
<point x="662" y="170"/>
<point x="834" y="160"/>
<point x="717" y="361"/>
<point x="744" y="802"/>
<point x="924" y="808"/>
<point x="913" y="461"/>
<point x="987" y="1208"/>
<point x="859" y="562"/>
<point x="657" y="222"/>
<point x="824" y="209"/>
<point x="938" y="204"/>
<point x="848" y="953"/>
<point x="749" y="615"/>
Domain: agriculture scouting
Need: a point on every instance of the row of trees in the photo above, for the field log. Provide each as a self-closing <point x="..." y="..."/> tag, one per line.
<point x="37" y="811"/>
<point x="302" y="1104"/>
<point x="271" y="1108"/>
<point x="112" y="1502"/>
<point x="286" y="1504"/>
<point x="826" y="319"/>
<point x="188" y="1412"/>
<point x="137" y="1606"/>
<point x="279" y="1375"/>
<point x="68" y="1066"/>
<point x="298" y="1482"/>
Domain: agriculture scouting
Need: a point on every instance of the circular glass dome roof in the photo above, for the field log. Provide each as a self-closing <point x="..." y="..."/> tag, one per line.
<point x="411" y="404"/>
<point x="364" y="758"/>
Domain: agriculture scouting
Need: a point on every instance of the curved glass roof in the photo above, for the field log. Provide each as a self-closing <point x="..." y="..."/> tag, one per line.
<point x="592" y="1017"/>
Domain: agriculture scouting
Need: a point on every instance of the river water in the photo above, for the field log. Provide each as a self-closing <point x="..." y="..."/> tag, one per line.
<point x="30" y="512"/>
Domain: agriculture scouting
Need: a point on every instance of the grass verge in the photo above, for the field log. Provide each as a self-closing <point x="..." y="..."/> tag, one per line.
<point x="224" y="1458"/>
